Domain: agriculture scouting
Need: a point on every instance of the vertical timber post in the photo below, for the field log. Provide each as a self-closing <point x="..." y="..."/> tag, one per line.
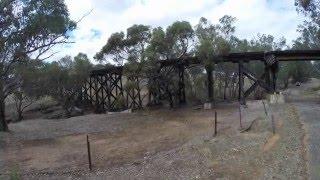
<point x="210" y="84"/>
<point x="102" y="93"/>
<point x="267" y="78"/>
<point x="274" y="81"/>
<point x="115" y="83"/>
<point x="96" y="92"/>
<point x="90" y="90"/>
<point x="271" y="67"/>
<point x="121" y="87"/>
<point x="241" y="83"/>
<point x="108" y="87"/>
<point x="274" y="70"/>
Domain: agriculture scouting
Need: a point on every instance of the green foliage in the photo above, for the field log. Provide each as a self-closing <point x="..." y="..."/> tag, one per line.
<point x="196" y="88"/>
<point x="315" y="89"/>
<point x="214" y="40"/>
<point x="261" y="42"/>
<point x="80" y="68"/>
<point x="309" y="39"/>
<point x="120" y="103"/>
<point x="113" y="48"/>
<point x="28" y="27"/>
<point x="129" y="47"/>
<point x="266" y="43"/>
<point x="205" y="51"/>
<point x="310" y="8"/>
<point x="172" y="43"/>
<point x="14" y="174"/>
<point x="32" y="25"/>
<point x="61" y="79"/>
<point x="309" y="36"/>
<point x="178" y="37"/>
<point x="300" y="71"/>
<point x="283" y="75"/>
<point x="157" y="48"/>
<point x="292" y="72"/>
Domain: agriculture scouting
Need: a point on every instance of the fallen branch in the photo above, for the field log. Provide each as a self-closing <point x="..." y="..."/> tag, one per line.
<point x="248" y="128"/>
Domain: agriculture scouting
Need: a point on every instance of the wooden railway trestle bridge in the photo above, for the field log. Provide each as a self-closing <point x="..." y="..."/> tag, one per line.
<point x="104" y="87"/>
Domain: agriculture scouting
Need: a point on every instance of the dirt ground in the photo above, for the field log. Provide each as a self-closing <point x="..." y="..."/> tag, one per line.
<point x="158" y="144"/>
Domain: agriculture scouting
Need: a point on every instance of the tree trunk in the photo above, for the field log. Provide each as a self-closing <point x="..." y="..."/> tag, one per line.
<point x="19" y="111"/>
<point x="286" y="83"/>
<point x="149" y="93"/>
<point x="20" y="116"/>
<point x="139" y="92"/>
<point x="220" y="87"/>
<point x="3" y="122"/>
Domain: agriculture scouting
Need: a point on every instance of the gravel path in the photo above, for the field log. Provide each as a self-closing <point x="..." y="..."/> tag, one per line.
<point x="309" y="113"/>
<point x="306" y="102"/>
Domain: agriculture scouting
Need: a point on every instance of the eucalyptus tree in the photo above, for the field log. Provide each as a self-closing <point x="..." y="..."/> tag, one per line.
<point x="308" y="39"/>
<point x="310" y="8"/>
<point x="121" y="47"/>
<point x="309" y="36"/>
<point x="80" y="69"/>
<point x="214" y="40"/>
<point x="263" y="42"/>
<point x="30" y="89"/>
<point x="178" y="39"/>
<point x="226" y="29"/>
<point x="206" y="34"/>
<point x="28" y="28"/>
<point x="129" y="51"/>
<point x="174" y="42"/>
<point x="63" y="79"/>
<point x="309" y="30"/>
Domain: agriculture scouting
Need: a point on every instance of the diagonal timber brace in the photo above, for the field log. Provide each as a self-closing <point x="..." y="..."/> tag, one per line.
<point x="267" y="83"/>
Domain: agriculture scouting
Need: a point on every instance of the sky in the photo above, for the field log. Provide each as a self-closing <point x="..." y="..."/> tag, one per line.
<point x="275" y="17"/>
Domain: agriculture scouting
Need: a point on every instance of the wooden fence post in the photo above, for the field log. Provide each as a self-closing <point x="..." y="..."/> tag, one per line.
<point x="215" y="123"/>
<point x="89" y="153"/>
<point x="273" y="124"/>
<point x="240" y="115"/>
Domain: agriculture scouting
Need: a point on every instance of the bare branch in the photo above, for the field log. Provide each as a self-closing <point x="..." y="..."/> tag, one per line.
<point x="51" y="55"/>
<point x="85" y="15"/>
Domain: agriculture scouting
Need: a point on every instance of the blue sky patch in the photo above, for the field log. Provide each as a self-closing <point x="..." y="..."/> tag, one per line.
<point x="95" y="33"/>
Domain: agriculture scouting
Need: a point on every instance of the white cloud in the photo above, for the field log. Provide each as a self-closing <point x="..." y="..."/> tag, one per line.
<point x="278" y="18"/>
